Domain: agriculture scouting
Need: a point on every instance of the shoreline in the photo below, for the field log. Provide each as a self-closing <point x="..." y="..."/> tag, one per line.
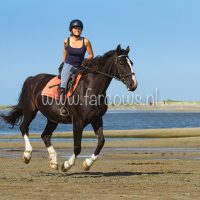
<point x="186" y="137"/>
<point x="168" y="106"/>
<point x="135" y="133"/>
<point x="160" y="106"/>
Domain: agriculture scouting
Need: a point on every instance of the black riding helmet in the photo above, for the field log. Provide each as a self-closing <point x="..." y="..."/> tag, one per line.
<point x="75" y="23"/>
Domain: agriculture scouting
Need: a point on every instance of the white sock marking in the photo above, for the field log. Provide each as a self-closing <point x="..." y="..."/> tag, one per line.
<point x="28" y="146"/>
<point x="91" y="160"/>
<point x="68" y="164"/>
<point x="51" y="150"/>
<point x="52" y="155"/>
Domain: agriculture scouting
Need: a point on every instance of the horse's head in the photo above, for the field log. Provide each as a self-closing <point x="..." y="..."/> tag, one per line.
<point x="123" y="67"/>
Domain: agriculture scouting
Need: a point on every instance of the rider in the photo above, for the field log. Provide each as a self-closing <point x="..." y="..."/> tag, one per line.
<point x="75" y="48"/>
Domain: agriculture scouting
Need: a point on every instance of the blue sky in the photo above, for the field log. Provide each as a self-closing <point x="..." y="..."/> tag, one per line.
<point x="164" y="37"/>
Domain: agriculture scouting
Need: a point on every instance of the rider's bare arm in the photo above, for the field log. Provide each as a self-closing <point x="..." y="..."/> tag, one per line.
<point x="64" y="50"/>
<point x="89" y="49"/>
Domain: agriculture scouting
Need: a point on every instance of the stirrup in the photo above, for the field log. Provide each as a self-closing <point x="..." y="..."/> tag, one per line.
<point x="64" y="111"/>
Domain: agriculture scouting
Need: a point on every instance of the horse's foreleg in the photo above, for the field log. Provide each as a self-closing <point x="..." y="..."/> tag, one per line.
<point x="77" y="132"/>
<point x="98" y="129"/>
<point x="46" y="137"/>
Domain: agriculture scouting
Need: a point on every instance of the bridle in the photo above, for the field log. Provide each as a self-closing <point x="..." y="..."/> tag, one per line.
<point x="122" y="77"/>
<point x="126" y="75"/>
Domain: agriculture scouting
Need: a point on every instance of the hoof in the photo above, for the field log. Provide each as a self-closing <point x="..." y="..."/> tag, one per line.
<point x="63" y="168"/>
<point x="26" y="161"/>
<point x="54" y="166"/>
<point x="27" y="157"/>
<point x="66" y="166"/>
<point x="85" y="166"/>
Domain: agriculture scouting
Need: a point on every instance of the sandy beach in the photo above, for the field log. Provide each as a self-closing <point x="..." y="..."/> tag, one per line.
<point x="164" y="165"/>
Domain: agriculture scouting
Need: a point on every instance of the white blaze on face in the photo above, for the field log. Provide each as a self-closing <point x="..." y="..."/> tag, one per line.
<point x="133" y="76"/>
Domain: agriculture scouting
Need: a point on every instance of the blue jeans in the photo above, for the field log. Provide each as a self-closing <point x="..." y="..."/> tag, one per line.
<point x="65" y="74"/>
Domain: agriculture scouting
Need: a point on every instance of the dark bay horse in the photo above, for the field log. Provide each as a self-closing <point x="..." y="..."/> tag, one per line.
<point x="86" y="106"/>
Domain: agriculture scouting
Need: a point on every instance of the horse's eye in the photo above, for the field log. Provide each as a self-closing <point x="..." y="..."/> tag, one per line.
<point x="121" y="60"/>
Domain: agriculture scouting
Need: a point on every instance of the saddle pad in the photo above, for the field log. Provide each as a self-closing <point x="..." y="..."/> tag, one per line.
<point x="52" y="88"/>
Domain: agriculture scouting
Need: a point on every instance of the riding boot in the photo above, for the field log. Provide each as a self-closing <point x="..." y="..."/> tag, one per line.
<point x="63" y="109"/>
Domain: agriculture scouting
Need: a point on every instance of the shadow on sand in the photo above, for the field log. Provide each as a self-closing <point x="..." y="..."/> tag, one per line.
<point x="98" y="174"/>
<point x="105" y="174"/>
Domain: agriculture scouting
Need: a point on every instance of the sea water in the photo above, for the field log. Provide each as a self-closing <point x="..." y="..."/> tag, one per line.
<point x="120" y="120"/>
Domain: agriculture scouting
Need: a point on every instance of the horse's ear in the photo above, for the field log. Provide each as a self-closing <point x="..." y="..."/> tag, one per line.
<point x="127" y="50"/>
<point x="118" y="49"/>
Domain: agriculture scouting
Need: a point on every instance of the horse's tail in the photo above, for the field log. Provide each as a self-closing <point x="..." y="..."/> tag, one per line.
<point x="15" y="116"/>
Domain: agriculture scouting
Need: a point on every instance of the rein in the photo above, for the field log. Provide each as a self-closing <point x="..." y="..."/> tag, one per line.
<point x="99" y="72"/>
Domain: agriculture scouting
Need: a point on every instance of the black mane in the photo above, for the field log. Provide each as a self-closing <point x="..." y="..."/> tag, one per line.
<point x="99" y="60"/>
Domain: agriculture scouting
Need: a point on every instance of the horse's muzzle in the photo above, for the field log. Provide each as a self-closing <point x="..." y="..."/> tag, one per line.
<point x="132" y="86"/>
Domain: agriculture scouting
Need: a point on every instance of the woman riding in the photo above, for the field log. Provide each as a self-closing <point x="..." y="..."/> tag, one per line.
<point x="75" y="48"/>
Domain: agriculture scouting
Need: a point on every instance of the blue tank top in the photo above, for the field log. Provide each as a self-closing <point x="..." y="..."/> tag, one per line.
<point x="75" y="56"/>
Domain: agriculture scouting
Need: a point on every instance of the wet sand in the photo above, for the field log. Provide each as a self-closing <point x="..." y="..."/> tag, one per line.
<point x="164" y="168"/>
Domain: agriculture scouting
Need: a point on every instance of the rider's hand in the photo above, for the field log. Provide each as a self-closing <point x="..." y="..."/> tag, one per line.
<point x="61" y="65"/>
<point x="84" y="63"/>
<point x="60" y="69"/>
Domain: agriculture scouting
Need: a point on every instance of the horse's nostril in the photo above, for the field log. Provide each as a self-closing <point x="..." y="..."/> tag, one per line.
<point x="132" y="85"/>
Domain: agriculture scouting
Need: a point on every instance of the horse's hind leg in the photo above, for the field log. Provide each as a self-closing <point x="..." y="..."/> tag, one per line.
<point x="46" y="137"/>
<point x="24" y="127"/>
<point x="98" y="129"/>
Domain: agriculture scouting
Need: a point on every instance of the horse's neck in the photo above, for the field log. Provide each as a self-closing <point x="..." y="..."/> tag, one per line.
<point x="100" y="82"/>
<point x="103" y="82"/>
